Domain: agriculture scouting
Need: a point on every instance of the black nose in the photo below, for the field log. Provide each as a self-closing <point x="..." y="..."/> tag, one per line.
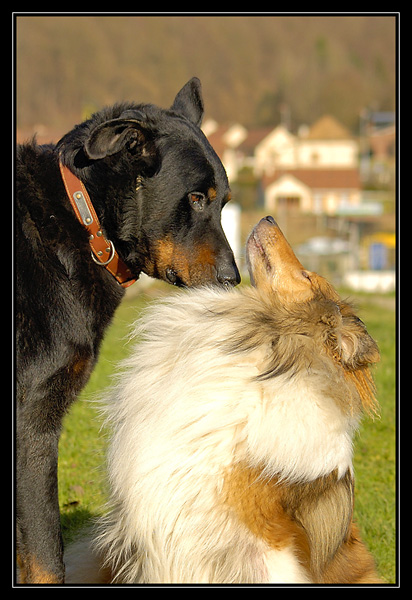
<point x="271" y="220"/>
<point x="228" y="274"/>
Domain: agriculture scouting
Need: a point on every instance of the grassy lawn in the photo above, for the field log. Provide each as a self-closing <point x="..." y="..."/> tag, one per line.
<point x="82" y="488"/>
<point x="375" y="446"/>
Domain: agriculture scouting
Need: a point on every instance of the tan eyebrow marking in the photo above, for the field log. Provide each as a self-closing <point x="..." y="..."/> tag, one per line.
<point x="211" y="193"/>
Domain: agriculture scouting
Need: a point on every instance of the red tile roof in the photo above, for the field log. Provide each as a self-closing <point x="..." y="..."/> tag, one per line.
<point x="321" y="178"/>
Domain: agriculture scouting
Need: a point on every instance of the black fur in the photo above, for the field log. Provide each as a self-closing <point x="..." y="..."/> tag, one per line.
<point x="158" y="188"/>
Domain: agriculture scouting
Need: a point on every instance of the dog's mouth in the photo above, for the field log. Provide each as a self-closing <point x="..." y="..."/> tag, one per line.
<point x="255" y="244"/>
<point x="273" y="264"/>
<point x="260" y="246"/>
<point x="191" y="267"/>
<point x="172" y="276"/>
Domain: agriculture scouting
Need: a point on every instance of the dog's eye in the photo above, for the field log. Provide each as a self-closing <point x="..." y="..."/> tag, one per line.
<point x="197" y="200"/>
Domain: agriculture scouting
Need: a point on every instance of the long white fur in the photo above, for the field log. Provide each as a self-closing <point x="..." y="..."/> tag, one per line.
<point x="182" y="413"/>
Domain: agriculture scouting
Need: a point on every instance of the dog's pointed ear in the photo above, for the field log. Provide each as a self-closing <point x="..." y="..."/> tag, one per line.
<point x="189" y="101"/>
<point x="113" y="136"/>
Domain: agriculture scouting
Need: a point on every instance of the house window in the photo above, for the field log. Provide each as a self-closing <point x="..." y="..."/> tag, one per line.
<point x="315" y="158"/>
<point x="288" y="203"/>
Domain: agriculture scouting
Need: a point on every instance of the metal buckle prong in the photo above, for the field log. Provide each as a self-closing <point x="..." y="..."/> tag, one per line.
<point x="103" y="263"/>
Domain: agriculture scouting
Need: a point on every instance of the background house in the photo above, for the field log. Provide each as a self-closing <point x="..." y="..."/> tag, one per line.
<point x="225" y="139"/>
<point x="314" y="172"/>
<point x="327" y="144"/>
<point x="316" y="191"/>
<point x="311" y="183"/>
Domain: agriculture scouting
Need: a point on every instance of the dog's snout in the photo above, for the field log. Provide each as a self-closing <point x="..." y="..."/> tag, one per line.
<point x="228" y="274"/>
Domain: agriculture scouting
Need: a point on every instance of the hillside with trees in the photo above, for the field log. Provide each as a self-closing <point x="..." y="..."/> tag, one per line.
<point x="253" y="68"/>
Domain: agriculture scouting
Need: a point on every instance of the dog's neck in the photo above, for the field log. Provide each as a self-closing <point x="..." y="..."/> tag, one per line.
<point x="102" y="250"/>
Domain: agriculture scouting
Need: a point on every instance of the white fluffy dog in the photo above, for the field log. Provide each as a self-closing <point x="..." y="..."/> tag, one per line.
<point x="233" y="419"/>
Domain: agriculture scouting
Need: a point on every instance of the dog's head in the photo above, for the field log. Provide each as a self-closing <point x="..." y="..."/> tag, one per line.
<point x="312" y="309"/>
<point x="274" y="267"/>
<point x="159" y="187"/>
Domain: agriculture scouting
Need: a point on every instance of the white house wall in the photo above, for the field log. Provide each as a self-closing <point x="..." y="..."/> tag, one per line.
<point x="282" y="150"/>
<point x="235" y="135"/>
<point x="328" y="153"/>
<point x="310" y="200"/>
<point x="278" y="149"/>
<point x="288" y="186"/>
<point x="231" y="163"/>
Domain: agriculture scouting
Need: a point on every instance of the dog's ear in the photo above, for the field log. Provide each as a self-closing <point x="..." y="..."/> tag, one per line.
<point x="113" y="136"/>
<point x="358" y="349"/>
<point x="189" y="101"/>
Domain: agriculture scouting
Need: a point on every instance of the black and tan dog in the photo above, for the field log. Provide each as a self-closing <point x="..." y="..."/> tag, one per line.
<point x="146" y="184"/>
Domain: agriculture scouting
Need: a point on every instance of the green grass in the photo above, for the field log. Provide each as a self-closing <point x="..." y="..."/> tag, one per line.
<point x="375" y="447"/>
<point x="82" y="487"/>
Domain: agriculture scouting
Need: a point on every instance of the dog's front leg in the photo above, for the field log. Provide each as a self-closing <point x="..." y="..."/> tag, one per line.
<point x="39" y="541"/>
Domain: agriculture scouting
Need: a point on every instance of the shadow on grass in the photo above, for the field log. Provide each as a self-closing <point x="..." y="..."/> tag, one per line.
<point x="74" y="519"/>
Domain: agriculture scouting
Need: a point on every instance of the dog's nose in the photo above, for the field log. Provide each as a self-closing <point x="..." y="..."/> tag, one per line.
<point x="228" y="274"/>
<point x="271" y="220"/>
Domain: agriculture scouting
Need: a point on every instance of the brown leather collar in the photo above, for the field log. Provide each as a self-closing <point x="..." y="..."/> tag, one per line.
<point x="103" y="251"/>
